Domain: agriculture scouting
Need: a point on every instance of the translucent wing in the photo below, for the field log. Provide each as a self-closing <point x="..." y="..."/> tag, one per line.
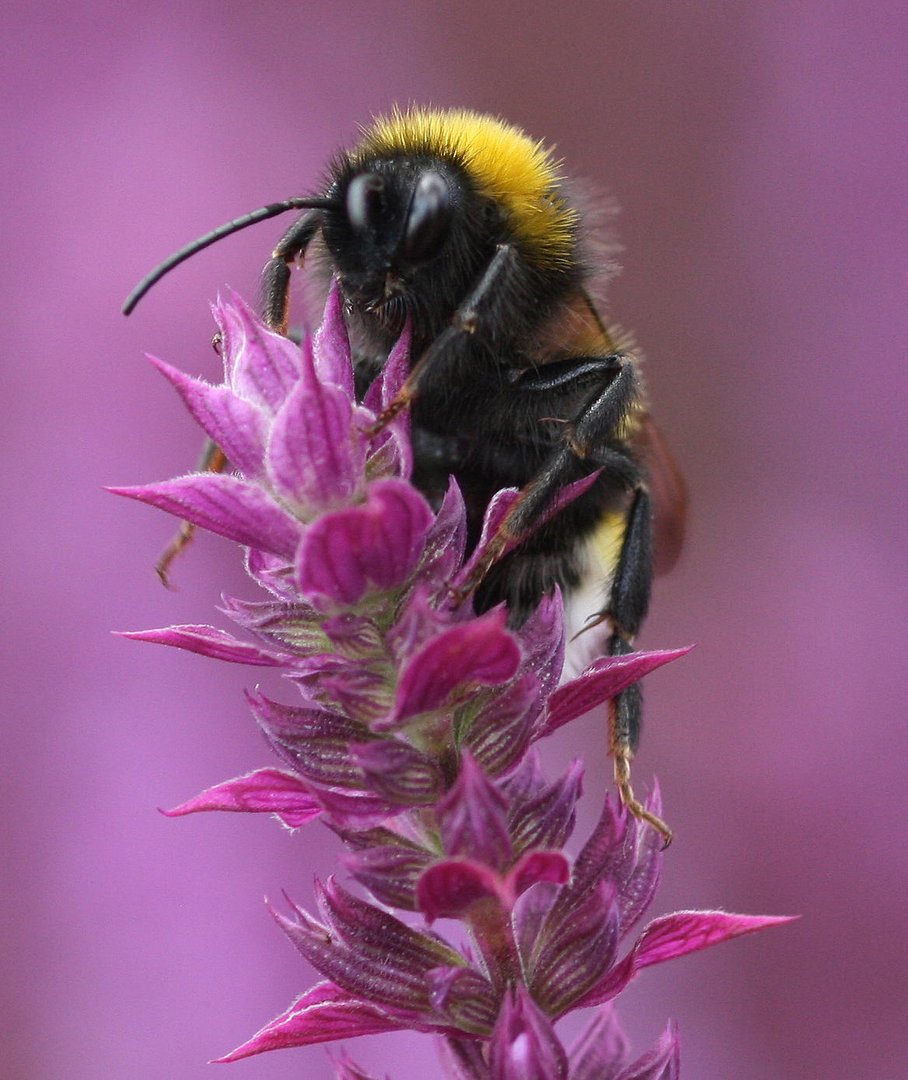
<point x="668" y="491"/>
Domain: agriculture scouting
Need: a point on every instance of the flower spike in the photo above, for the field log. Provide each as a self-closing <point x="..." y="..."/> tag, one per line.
<point x="410" y="731"/>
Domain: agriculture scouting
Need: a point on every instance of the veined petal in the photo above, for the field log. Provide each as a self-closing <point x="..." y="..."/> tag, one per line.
<point x="353" y="809"/>
<point x="572" y="954"/>
<point x="524" y="1043"/>
<point x="376" y="544"/>
<point x="265" y="791"/>
<point x="367" y="951"/>
<point x="392" y="452"/>
<point x="472" y="818"/>
<point x="237" y="426"/>
<point x="464" y="997"/>
<point x="259" y="364"/>
<point x="636" y="863"/>
<point x="601" y="1049"/>
<point x="314" y="741"/>
<point x="331" y="345"/>
<point x="445" y="541"/>
<point x="291" y="627"/>
<point x="379" y="935"/>
<point x="479" y="652"/>
<point x="676" y="935"/>
<point x="601" y="681"/>
<point x="314" y="457"/>
<point x="397" y="367"/>
<point x="541" y="641"/>
<point x="547" y="818"/>
<point x="499" y="735"/>
<point x="209" y="641"/>
<point x="324" y="1014"/>
<point x="390" y="872"/>
<point x="496" y="512"/>
<point x="225" y="505"/>
<point x="399" y="772"/>
<point x="689" y="931"/>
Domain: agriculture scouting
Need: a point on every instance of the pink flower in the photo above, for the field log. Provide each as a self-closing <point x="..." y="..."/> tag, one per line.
<point x="410" y="734"/>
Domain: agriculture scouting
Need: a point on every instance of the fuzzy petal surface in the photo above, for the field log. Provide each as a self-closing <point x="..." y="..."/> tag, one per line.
<point x="259" y="364"/>
<point x="265" y="791"/>
<point x="226" y="505"/>
<point x="480" y="652"/>
<point x="323" y="1014"/>
<point x="602" y="681"/>
<point x="235" y="424"/>
<point x="209" y="641"/>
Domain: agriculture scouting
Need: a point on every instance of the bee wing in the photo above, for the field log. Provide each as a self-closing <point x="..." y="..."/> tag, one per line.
<point x="668" y="491"/>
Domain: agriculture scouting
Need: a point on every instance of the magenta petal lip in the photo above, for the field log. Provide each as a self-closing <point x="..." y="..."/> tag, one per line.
<point x="476" y="653"/>
<point x="376" y="545"/>
<point x="449" y="888"/>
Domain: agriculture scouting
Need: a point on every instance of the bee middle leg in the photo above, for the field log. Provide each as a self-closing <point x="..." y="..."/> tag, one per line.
<point x="588" y="398"/>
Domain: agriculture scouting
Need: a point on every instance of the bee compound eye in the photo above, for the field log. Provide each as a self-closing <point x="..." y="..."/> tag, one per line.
<point x="428" y="219"/>
<point x="364" y="199"/>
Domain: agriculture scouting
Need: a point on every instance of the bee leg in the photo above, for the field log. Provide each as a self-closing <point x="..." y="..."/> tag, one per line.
<point x="466" y="321"/>
<point x="276" y="275"/>
<point x="625" y="610"/>
<point x="212" y="460"/>
<point x="581" y="447"/>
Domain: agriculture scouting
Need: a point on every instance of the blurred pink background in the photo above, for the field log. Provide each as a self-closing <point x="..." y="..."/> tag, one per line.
<point x="759" y="153"/>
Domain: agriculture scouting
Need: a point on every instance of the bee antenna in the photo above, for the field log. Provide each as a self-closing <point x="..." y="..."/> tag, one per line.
<point x="262" y="214"/>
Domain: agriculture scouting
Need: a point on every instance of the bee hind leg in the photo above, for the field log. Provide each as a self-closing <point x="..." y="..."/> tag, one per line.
<point x="610" y="387"/>
<point x="626" y="608"/>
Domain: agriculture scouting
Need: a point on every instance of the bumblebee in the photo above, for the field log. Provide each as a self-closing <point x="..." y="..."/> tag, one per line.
<point x="463" y="224"/>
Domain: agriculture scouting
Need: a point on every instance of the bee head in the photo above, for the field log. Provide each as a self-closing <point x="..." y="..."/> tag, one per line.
<point x="403" y="240"/>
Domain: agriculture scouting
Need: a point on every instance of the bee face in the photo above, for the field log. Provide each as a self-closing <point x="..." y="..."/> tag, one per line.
<point x="405" y="236"/>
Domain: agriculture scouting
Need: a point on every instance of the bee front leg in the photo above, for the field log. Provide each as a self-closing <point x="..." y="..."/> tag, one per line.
<point x="481" y="307"/>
